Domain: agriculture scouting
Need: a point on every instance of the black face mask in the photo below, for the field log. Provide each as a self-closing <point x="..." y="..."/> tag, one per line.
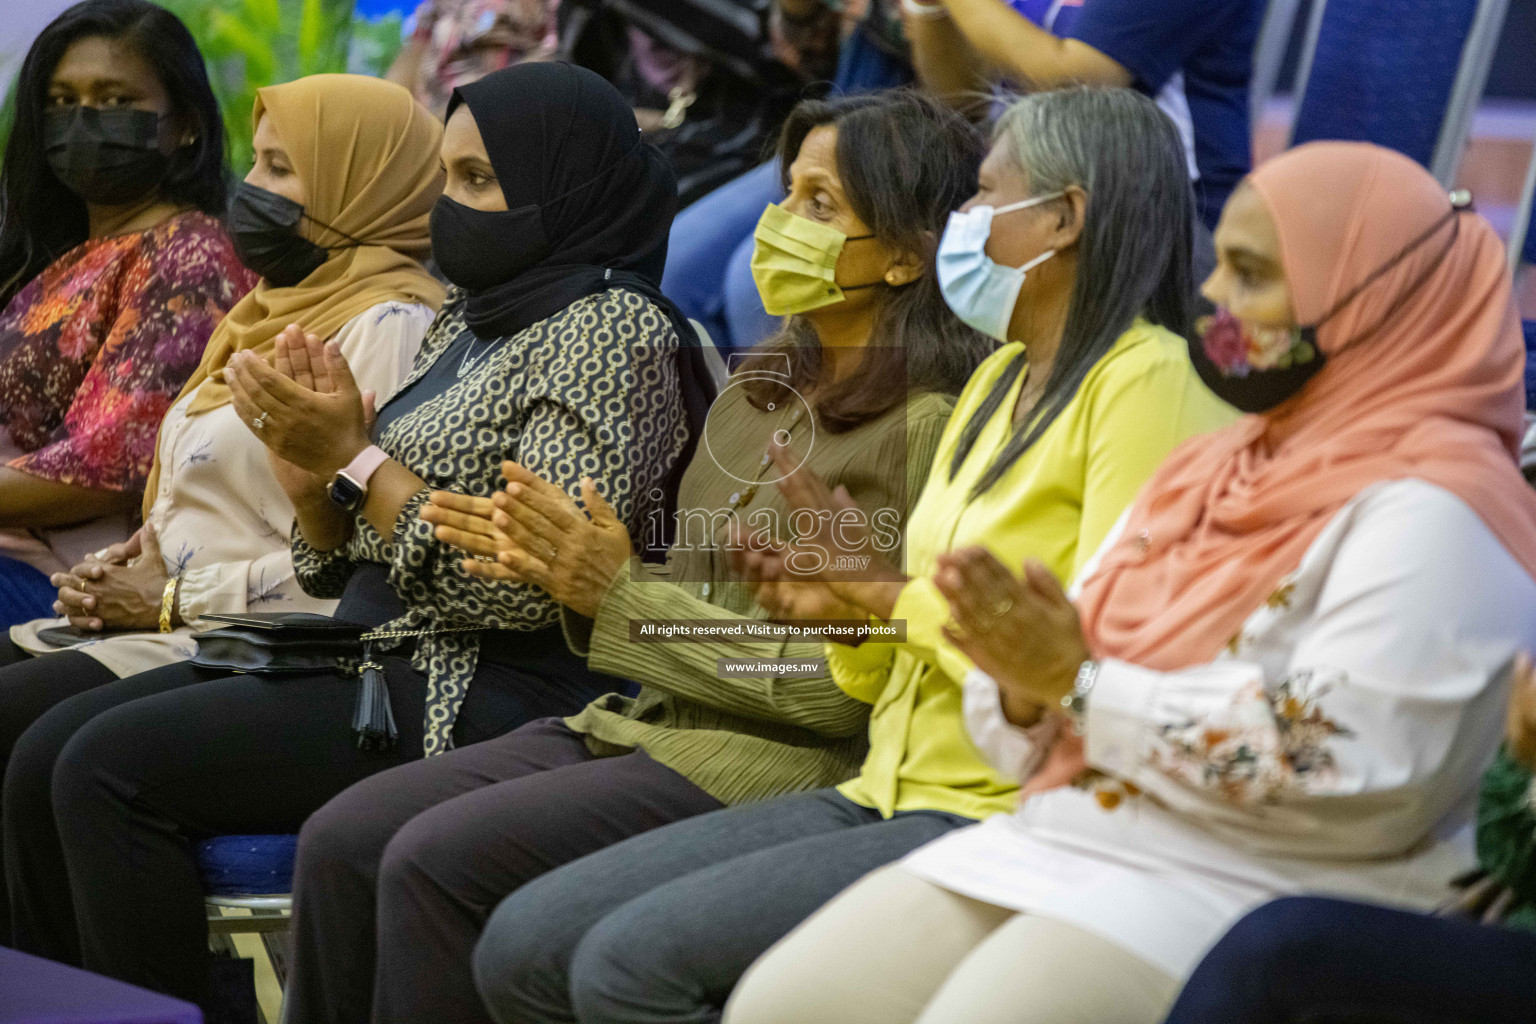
<point x="1221" y="351"/>
<point x="265" y="229"/>
<point x="106" y="157"/>
<point x="478" y="250"/>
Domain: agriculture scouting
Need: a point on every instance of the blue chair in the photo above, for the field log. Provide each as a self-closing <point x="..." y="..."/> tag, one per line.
<point x="1406" y="74"/>
<point x="375" y="9"/>
<point x="1530" y="363"/>
<point x="1522" y="240"/>
<point x="1269" y="55"/>
<point x="252" y="874"/>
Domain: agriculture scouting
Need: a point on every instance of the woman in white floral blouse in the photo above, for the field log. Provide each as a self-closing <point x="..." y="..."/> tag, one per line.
<point x="1283" y="673"/>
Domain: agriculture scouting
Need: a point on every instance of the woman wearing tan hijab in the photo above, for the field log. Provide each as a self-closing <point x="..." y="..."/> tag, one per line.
<point x="1284" y="671"/>
<point x="334" y="218"/>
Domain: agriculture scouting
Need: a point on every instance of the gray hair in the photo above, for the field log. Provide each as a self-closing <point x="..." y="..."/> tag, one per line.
<point x="1134" y="253"/>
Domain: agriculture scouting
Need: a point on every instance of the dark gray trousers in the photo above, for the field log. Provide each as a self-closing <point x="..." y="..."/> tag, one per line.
<point x="658" y="929"/>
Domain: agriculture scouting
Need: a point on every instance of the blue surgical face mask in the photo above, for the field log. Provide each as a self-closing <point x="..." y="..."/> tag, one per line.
<point x="981" y="292"/>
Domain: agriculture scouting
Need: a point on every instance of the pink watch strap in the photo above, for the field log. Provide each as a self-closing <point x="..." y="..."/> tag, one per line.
<point x="362" y="468"/>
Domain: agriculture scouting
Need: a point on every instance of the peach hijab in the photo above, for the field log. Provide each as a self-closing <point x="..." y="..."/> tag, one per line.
<point x="1423" y="379"/>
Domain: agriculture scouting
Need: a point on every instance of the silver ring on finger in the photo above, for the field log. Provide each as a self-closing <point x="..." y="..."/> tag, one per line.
<point x="485" y="558"/>
<point x="257" y="422"/>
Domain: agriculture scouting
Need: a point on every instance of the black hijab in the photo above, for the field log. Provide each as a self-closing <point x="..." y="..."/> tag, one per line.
<point x="562" y="139"/>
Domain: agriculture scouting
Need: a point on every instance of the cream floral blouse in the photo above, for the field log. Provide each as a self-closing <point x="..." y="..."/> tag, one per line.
<point x="222" y="516"/>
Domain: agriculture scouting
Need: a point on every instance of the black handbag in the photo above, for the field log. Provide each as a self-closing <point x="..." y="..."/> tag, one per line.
<point x="299" y="643"/>
<point x="277" y="643"/>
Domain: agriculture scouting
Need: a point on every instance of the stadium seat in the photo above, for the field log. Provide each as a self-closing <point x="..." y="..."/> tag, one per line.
<point x="1406" y="74"/>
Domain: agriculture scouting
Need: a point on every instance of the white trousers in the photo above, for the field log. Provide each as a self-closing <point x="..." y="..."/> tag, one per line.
<point x="896" y="949"/>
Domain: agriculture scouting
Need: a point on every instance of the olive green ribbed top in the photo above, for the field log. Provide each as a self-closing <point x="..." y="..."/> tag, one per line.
<point x="744" y="739"/>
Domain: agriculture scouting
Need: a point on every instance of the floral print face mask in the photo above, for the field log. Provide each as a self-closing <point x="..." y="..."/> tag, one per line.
<point x="1250" y="368"/>
<point x="1255" y="369"/>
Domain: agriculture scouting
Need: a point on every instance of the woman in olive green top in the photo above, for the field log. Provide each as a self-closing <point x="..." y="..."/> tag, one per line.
<point x="857" y="390"/>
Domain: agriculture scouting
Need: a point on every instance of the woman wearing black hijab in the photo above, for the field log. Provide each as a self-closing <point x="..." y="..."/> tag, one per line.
<point x="555" y="350"/>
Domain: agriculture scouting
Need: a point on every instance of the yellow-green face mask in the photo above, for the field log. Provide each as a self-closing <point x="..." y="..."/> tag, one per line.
<point x="794" y="262"/>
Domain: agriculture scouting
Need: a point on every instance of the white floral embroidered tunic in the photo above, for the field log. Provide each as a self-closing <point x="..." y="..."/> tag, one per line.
<point x="1335" y="746"/>
<point x="224" y="520"/>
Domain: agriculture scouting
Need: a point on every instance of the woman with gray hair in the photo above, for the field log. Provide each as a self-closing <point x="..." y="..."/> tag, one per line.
<point x="1075" y="255"/>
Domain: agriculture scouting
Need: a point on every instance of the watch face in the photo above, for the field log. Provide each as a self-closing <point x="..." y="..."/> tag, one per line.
<point x="345" y="492"/>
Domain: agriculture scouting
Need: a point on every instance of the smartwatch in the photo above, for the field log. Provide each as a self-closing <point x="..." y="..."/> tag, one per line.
<point x="349" y="487"/>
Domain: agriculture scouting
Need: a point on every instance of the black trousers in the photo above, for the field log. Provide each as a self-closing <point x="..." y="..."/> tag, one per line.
<point x="108" y="792"/>
<point x="1312" y="960"/>
<point x="29" y="687"/>
<point x="397" y="875"/>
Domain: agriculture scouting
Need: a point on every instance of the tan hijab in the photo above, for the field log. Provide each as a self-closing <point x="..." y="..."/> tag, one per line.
<point x="367" y="154"/>
<point x="1424" y="379"/>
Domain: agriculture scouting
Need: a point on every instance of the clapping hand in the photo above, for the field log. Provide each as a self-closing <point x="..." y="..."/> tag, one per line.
<point x="1024" y="633"/>
<point x="305" y="407"/>
<point x="533" y="532"/>
<point x="832" y="569"/>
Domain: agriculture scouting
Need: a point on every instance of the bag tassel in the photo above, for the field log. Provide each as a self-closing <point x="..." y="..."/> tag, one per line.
<point x="372" y="718"/>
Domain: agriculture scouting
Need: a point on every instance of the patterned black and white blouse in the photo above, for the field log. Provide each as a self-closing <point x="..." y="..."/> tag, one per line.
<point x="591" y="391"/>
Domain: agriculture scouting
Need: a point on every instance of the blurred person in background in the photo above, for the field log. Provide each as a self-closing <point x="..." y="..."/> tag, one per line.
<point x="1194" y="56"/>
<point x="456" y="42"/>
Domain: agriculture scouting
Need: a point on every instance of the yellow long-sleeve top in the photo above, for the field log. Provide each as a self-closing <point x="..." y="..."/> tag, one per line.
<point x="1056" y="503"/>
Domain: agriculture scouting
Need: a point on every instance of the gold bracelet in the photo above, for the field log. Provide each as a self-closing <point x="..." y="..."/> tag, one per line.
<point x="168" y="603"/>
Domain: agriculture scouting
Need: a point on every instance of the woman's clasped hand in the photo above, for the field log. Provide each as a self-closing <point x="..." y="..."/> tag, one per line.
<point x="120" y="587"/>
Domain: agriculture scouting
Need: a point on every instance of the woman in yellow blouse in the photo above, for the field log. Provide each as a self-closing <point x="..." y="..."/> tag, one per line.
<point x="1085" y="276"/>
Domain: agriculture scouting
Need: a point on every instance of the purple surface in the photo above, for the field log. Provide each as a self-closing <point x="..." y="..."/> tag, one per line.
<point x="37" y="991"/>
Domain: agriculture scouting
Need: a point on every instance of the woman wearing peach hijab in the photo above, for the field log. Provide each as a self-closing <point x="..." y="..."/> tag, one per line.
<point x="1283" y="672"/>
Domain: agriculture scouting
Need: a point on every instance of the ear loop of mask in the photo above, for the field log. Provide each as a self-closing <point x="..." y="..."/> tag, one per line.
<point x="1024" y="204"/>
<point x="1461" y="203"/>
<point x="858" y="287"/>
<point x="356" y="243"/>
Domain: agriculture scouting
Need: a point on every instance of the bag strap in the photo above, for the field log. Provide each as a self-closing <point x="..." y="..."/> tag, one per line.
<point x="405" y="634"/>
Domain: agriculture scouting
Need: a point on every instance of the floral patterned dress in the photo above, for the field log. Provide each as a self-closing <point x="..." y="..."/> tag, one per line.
<point x="94" y="350"/>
